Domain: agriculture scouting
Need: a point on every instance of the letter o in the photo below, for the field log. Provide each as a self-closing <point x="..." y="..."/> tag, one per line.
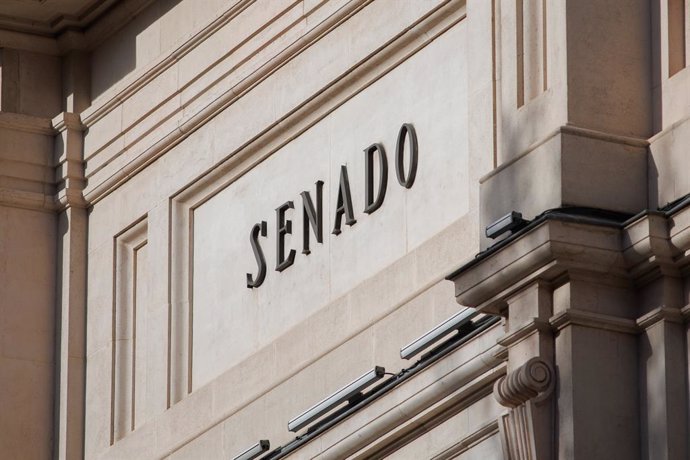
<point x="405" y="130"/>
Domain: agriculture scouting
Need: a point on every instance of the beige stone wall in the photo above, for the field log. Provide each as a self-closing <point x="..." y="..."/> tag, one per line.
<point x="192" y="210"/>
<point x="138" y="150"/>
<point x="27" y="331"/>
<point x="161" y="27"/>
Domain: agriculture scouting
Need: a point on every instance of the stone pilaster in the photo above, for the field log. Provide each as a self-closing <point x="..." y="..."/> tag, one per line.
<point x="71" y="278"/>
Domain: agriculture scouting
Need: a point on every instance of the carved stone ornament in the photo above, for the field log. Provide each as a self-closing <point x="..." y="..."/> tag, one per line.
<point x="525" y="426"/>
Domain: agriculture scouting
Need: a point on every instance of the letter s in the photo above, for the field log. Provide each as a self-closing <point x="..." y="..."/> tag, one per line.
<point x="258" y="254"/>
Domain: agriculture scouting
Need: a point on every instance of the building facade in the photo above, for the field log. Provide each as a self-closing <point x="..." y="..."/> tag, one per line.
<point x="400" y="229"/>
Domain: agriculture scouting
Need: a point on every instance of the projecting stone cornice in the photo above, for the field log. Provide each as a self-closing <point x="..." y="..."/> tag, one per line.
<point x="26" y="123"/>
<point x="559" y="246"/>
<point x="51" y="28"/>
<point x="686" y="312"/>
<point x="595" y="320"/>
<point x="26" y="162"/>
<point x="673" y="315"/>
<point x="545" y="253"/>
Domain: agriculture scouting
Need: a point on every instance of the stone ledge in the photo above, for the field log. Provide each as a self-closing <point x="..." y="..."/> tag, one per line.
<point x="658" y="315"/>
<point x="637" y="252"/>
<point x="576" y="317"/>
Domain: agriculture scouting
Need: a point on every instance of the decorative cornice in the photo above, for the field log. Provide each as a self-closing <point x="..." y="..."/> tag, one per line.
<point x="538" y="255"/>
<point x="26" y="123"/>
<point x="96" y="21"/>
<point x="686" y="312"/>
<point x="672" y="315"/>
<point x="573" y="317"/>
<point x="29" y="42"/>
<point x="647" y="249"/>
<point x="633" y="254"/>
<point x="27" y="200"/>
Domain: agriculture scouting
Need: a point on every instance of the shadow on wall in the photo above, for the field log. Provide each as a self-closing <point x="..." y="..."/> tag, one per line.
<point x="134" y="46"/>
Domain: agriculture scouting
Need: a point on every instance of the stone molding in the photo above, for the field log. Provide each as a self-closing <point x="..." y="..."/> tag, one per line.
<point x="637" y="252"/>
<point x="117" y="96"/>
<point x="26" y="200"/>
<point x="660" y="314"/>
<point x="546" y="253"/>
<point x="468" y="442"/>
<point x="176" y="124"/>
<point x="26" y="123"/>
<point x="394" y="425"/>
<point x="595" y="320"/>
<point x="686" y="312"/>
<point x="647" y="249"/>
<point x="69" y="163"/>
<point x="410" y="39"/>
<point x="183" y="204"/>
<point x="93" y="24"/>
<point x="26" y="161"/>
<point x="519" y="391"/>
<point x="29" y="42"/>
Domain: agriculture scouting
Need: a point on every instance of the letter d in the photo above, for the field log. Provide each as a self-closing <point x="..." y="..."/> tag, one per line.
<point x="373" y="203"/>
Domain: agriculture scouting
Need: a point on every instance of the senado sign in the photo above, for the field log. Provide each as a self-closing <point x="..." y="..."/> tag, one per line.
<point x="312" y="208"/>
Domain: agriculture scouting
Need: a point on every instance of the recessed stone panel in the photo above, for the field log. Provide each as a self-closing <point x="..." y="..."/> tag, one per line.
<point x="231" y="321"/>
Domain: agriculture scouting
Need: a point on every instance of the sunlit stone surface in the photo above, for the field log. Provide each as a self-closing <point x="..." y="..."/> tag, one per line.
<point x="144" y="313"/>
